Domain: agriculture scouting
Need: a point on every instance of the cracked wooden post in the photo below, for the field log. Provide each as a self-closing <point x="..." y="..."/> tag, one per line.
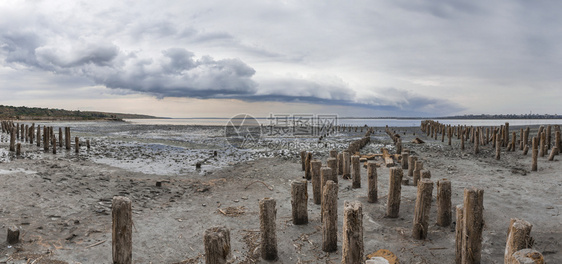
<point x="352" y="237"/>
<point x="340" y="163"/>
<point x="330" y="217"/>
<point x="326" y="175"/>
<point x="462" y="141"/>
<point x="411" y="165"/>
<point x="217" y="245"/>
<point x="527" y="256"/>
<point x="356" y="183"/>
<point x="13" y="139"/>
<point x="122" y="230"/>
<point x="18" y="149"/>
<point x="46" y="140"/>
<point x="417" y="171"/>
<point x="535" y="154"/>
<point x="444" y="217"/>
<point x="422" y="209"/>
<point x="76" y="144"/>
<point x="498" y="147"/>
<point x="518" y="237"/>
<point x="513" y="138"/>
<point x="299" y="201"/>
<point x="31" y="133"/>
<point x="527" y="131"/>
<point x="473" y="224"/>
<point x="395" y="187"/>
<point x="13" y="235"/>
<point x="268" y="214"/>
<point x="307" y="167"/>
<point x="459" y="233"/>
<point x="405" y="160"/>
<point x="449" y="135"/>
<point x="316" y="181"/>
<point x="521" y="139"/>
<point x="372" y="195"/>
<point x="506" y="134"/>
<point x="303" y="160"/>
<point x="333" y="164"/>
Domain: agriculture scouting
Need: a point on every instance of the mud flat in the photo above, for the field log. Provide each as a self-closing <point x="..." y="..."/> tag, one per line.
<point x="62" y="203"/>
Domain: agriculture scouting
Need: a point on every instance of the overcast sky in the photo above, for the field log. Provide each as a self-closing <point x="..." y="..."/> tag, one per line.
<point x="220" y="58"/>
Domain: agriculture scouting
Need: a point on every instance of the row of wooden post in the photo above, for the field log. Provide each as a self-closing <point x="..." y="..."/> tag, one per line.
<point x="26" y="133"/>
<point x="499" y="137"/>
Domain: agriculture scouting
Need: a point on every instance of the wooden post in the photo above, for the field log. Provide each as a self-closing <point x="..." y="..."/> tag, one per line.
<point x="518" y="237"/>
<point x="316" y="181"/>
<point x="411" y="165"/>
<point x="13" y="139"/>
<point x="525" y="150"/>
<point x="444" y="217"/>
<point x="18" y="149"/>
<point x="356" y="171"/>
<point x="340" y="163"/>
<point x="557" y="139"/>
<point x="54" y="145"/>
<point x="553" y="152"/>
<point x="122" y="230"/>
<point x="527" y="256"/>
<point x="473" y="224"/>
<point x="395" y="187"/>
<point x="459" y="234"/>
<point x="405" y="160"/>
<point x="372" y="196"/>
<point x="268" y="214"/>
<point x="217" y="245"/>
<point x="542" y="145"/>
<point x="521" y="139"/>
<point x="60" y="137"/>
<point x="307" y="167"/>
<point x="76" y="144"/>
<point x="333" y="164"/>
<point x="88" y="146"/>
<point x="326" y="175"/>
<point x="330" y="217"/>
<point x="506" y="134"/>
<point x="31" y="133"/>
<point x="299" y="201"/>
<point x="425" y="174"/>
<point x="498" y="147"/>
<point x="352" y="241"/>
<point x="46" y="140"/>
<point x="334" y="154"/>
<point x="346" y="165"/>
<point x="67" y="137"/>
<point x="449" y="135"/>
<point x="462" y="141"/>
<point x="38" y="135"/>
<point x="417" y="171"/>
<point x="303" y="160"/>
<point x="548" y="136"/>
<point x="422" y="209"/>
<point x="477" y="142"/>
<point x="535" y="154"/>
<point x="13" y="235"/>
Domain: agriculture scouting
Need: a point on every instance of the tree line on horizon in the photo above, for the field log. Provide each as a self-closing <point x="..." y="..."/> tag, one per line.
<point x="23" y="112"/>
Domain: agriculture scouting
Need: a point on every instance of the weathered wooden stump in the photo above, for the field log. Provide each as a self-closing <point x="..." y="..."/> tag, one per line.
<point x="18" y="149"/>
<point x="13" y="139"/>
<point x="444" y="217"/>
<point x="356" y="171"/>
<point x="535" y="154"/>
<point x="498" y="147"/>
<point x="316" y="181"/>
<point x="372" y="196"/>
<point x="417" y="171"/>
<point x="425" y="174"/>
<point x="217" y="245"/>
<point x="473" y="224"/>
<point x="476" y="143"/>
<point x="330" y="217"/>
<point x="307" y="167"/>
<point x="352" y="241"/>
<point x="13" y="235"/>
<point x="268" y="215"/>
<point x="334" y="154"/>
<point x="340" y="163"/>
<point x="422" y="209"/>
<point x="459" y="233"/>
<point x="411" y="165"/>
<point x="60" y="137"/>
<point x="122" y="230"/>
<point x="88" y="147"/>
<point x="518" y="237"/>
<point x="54" y="145"/>
<point x="333" y="164"/>
<point x="395" y="187"/>
<point x="542" y="145"/>
<point x="553" y="152"/>
<point x="303" y="160"/>
<point x="299" y="202"/>
<point x="346" y="165"/>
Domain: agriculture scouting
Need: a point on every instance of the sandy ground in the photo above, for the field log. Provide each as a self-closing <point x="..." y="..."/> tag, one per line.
<point x="62" y="203"/>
